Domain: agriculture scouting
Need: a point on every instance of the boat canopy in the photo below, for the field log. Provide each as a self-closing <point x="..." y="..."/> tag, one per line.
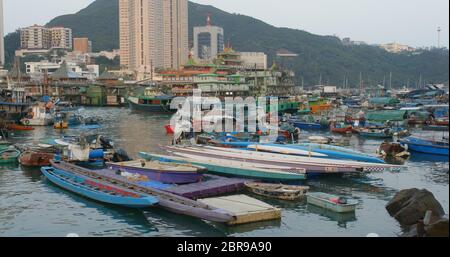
<point x="394" y="115"/>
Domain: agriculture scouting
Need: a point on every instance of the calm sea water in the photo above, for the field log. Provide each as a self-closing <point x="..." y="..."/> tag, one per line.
<point x="32" y="206"/>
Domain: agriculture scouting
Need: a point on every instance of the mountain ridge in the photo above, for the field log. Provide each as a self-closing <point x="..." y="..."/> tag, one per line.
<point x="319" y="56"/>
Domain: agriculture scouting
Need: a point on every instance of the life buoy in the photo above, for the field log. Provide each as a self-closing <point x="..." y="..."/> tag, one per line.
<point x="26" y="122"/>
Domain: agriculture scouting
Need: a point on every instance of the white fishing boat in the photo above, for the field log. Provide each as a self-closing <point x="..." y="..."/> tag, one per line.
<point x="331" y="202"/>
<point x="39" y="115"/>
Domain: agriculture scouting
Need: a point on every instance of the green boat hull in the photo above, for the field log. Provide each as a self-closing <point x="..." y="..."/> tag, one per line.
<point x="236" y="172"/>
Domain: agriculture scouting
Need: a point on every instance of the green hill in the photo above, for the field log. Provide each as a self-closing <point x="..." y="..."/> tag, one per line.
<point x="319" y="56"/>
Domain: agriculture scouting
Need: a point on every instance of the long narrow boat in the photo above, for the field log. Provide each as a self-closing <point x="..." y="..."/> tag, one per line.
<point x="331" y="202"/>
<point x="8" y="156"/>
<point x="311" y="165"/>
<point x="235" y="168"/>
<point x="168" y="201"/>
<point x="426" y="146"/>
<point x="341" y="152"/>
<point x="282" y="149"/>
<point x="307" y="125"/>
<point x="97" y="190"/>
<point x="278" y="191"/>
<point x="260" y="159"/>
<point x="168" y="173"/>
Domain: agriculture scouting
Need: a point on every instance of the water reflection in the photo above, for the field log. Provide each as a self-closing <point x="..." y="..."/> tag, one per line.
<point x="341" y="218"/>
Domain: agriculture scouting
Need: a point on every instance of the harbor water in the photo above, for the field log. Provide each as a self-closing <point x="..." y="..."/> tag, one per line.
<point x="30" y="205"/>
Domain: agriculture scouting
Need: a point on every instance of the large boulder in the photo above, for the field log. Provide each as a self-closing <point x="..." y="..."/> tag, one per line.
<point x="410" y="205"/>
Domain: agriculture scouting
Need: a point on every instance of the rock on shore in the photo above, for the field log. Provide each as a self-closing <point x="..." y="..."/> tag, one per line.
<point x="409" y="207"/>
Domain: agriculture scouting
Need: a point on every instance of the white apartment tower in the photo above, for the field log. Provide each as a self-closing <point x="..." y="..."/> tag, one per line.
<point x="2" y="42"/>
<point x="153" y="34"/>
<point x="208" y="41"/>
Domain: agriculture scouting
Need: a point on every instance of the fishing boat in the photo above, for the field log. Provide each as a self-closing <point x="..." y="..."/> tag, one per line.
<point x="151" y="101"/>
<point x="233" y="168"/>
<point x="98" y="190"/>
<point x="9" y="156"/>
<point x="426" y="146"/>
<point x="331" y="202"/>
<point x="284" y="149"/>
<point x="18" y="127"/>
<point x="279" y="162"/>
<point x="169" y="173"/>
<point x="393" y="149"/>
<point x="278" y="191"/>
<point x="375" y="133"/>
<point x="41" y="114"/>
<point x="35" y="159"/>
<point x="340" y="152"/>
<point x="307" y="125"/>
<point x="341" y="129"/>
<point x="168" y="201"/>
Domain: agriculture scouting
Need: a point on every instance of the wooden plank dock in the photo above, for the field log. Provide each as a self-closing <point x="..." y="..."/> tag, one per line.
<point x="213" y="186"/>
<point x="246" y="209"/>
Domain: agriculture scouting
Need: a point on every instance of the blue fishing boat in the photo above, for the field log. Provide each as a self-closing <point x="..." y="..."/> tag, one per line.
<point x="338" y="152"/>
<point x="426" y="146"/>
<point x="306" y="125"/>
<point x="97" y="190"/>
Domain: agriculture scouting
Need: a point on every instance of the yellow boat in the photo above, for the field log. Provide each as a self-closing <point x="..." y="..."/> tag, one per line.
<point x="61" y="125"/>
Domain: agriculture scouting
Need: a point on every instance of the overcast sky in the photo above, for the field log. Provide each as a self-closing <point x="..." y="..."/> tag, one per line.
<point x="412" y="22"/>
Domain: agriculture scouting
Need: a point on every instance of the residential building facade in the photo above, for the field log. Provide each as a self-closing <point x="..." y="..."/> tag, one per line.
<point x="153" y="34"/>
<point x="40" y="37"/>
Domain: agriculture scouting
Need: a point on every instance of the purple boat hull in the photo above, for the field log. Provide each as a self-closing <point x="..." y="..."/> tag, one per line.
<point x="168" y="177"/>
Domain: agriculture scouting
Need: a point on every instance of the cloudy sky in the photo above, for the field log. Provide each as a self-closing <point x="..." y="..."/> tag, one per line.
<point x="412" y="22"/>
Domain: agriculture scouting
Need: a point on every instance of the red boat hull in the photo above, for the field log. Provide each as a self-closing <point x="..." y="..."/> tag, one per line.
<point x="32" y="159"/>
<point x="19" y="127"/>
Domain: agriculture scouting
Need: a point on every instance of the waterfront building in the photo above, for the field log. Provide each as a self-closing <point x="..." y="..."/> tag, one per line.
<point x="208" y="42"/>
<point x="82" y="45"/>
<point x="252" y="60"/>
<point x="153" y="34"/>
<point x="39" y="69"/>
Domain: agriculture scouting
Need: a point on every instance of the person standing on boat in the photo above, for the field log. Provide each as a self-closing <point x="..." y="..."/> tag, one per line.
<point x="296" y="135"/>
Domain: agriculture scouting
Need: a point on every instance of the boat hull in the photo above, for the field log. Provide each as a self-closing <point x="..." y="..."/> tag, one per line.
<point x="340" y="208"/>
<point x="35" y="159"/>
<point x="233" y="171"/>
<point x="153" y="108"/>
<point x="82" y="186"/>
<point x="167" y="177"/>
<point x="425" y="148"/>
<point x="307" y="126"/>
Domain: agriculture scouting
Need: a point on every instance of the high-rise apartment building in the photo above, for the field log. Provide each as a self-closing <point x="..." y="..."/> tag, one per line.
<point x="82" y="45"/>
<point x="2" y="42"/>
<point x="208" y="41"/>
<point x="153" y="34"/>
<point x="40" y="37"/>
<point x="61" y="38"/>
